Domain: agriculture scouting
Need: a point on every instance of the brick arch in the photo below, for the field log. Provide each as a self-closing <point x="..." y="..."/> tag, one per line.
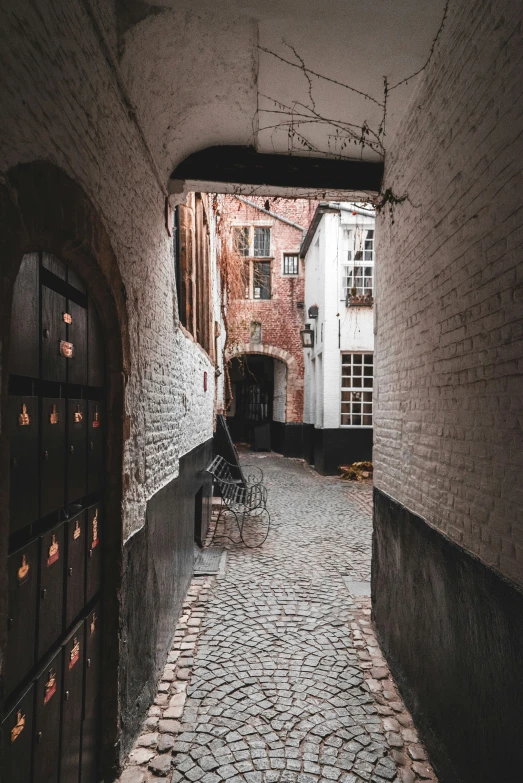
<point x="294" y="381"/>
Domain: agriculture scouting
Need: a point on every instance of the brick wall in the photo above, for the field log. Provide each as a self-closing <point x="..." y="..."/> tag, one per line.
<point x="280" y="318"/>
<point x="61" y="101"/>
<point x="450" y="291"/>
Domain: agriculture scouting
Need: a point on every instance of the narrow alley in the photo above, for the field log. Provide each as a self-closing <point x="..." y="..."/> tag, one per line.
<point x="275" y="673"/>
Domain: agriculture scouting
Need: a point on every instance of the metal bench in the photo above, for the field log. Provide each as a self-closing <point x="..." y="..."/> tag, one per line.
<point x="244" y="498"/>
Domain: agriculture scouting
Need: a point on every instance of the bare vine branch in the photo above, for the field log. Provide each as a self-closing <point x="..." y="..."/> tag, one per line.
<point x="431" y="52"/>
<point x="310" y="72"/>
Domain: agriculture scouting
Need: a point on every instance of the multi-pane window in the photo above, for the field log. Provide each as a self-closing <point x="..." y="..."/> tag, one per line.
<point x="358" y="266"/>
<point x="357" y="375"/>
<point x="262" y="280"/>
<point x="262" y="242"/>
<point x="290" y="263"/>
<point x="253" y="241"/>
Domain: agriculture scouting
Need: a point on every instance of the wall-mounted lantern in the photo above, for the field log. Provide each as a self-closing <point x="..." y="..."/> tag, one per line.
<point x="313" y="311"/>
<point x="307" y="336"/>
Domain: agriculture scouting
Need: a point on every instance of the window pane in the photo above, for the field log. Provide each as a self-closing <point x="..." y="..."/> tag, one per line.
<point x="356" y="370"/>
<point x="290" y="264"/>
<point x="241" y="240"/>
<point x="262" y="280"/>
<point x="262" y="241"/>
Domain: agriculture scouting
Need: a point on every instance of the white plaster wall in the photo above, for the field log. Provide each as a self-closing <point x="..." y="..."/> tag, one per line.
<point x="313" y="295"/>
<point x="280" y="391"/>
<point x="344" y="328"/>
<point x="333" y="313"/>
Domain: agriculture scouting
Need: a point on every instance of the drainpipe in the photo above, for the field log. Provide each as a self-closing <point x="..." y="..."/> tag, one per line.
<point x="358" y="211"/>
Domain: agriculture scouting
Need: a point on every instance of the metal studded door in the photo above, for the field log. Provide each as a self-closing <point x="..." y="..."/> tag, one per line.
<point x="57" y="431"/>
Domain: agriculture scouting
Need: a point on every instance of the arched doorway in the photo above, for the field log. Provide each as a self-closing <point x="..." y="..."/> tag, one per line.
<point x="257" y="399"/>
<point x="62" y="401"/>
<point x="265" y="398"/>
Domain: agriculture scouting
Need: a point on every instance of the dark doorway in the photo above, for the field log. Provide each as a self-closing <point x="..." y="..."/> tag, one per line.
<point x="56" y="539"/>
<point x="250" y="410"/>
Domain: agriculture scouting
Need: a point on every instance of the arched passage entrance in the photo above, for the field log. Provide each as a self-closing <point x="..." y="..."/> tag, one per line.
<point x="265" y="395"/>
<point x="63" y="304"/>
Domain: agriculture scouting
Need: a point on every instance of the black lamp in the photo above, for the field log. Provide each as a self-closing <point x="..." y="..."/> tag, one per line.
<point x="307" y="336"/>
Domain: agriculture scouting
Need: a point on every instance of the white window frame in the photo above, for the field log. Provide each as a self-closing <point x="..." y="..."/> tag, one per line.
<point x="350" y="392"/>
<point x="358" y="239"/>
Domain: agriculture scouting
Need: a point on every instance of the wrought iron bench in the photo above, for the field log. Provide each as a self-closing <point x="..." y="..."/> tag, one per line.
<point x="244" y="498"/>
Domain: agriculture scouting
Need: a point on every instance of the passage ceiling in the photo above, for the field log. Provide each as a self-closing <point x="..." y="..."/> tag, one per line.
<point x="204" y="74"/>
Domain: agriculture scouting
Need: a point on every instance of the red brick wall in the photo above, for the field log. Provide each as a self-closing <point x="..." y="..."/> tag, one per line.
<point x="279" y="316"/>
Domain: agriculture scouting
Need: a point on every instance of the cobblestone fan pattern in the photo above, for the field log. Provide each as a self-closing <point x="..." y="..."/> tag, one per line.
<point x="275" y="673"/>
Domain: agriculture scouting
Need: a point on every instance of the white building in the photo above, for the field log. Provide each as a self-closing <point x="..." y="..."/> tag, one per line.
<point x="339" y="305"/>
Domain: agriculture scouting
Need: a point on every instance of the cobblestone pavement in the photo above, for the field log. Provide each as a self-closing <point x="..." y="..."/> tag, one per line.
<point x="275" y="673"/>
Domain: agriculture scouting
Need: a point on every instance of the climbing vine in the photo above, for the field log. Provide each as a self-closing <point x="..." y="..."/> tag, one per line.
<point x="299" y="117"/>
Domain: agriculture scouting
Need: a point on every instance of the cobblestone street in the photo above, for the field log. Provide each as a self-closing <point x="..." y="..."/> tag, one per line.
<point x="275" y="673"/>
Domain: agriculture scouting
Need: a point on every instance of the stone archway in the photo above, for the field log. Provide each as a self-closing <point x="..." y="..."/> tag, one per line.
<point x="294" y="382"/>
<point x="43" y="209"/>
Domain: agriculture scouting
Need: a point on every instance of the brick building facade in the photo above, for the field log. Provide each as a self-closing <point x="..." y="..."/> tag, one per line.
<point x="263" y="327"/>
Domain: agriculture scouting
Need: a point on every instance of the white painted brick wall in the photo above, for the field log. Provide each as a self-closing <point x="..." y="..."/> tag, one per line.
<point x="280" y="391"/>
<point x="448" y="435"/>
<point x="60" y="102"/>
<point x="344" y="328"/>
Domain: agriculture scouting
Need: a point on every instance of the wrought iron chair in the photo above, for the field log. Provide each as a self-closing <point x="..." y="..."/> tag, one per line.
<point x="244" y="498"/>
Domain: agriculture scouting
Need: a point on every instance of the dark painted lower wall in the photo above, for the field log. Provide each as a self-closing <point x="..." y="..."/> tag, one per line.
<point x="290" y="439"/>
<point x="158" y="566"/>
<point x="452" y="631"/>
<point x="334" y="447"/>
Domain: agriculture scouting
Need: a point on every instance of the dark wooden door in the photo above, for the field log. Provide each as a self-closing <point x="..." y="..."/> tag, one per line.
<point x="57" y="429"/>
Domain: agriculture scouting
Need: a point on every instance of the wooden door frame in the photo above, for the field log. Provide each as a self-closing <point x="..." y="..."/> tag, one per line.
<point x="42" y="208"/>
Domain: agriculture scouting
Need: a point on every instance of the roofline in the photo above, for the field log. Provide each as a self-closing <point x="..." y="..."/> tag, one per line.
<point x="322" y="209"/>
<point x="272" y="214"/>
